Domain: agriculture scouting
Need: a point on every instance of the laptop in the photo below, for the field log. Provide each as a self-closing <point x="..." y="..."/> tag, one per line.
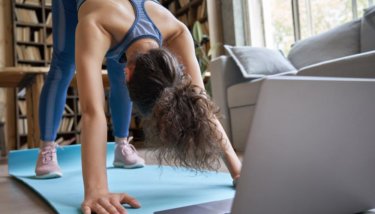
<point x="311" y="150"/>
<point x="214" y="207"/>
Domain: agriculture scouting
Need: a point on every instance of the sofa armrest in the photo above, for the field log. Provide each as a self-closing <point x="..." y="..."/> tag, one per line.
<point x="224" y="73"/>
<point x="357" y="66"/>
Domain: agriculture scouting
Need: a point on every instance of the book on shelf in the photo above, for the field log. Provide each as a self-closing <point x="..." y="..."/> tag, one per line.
<point x="62" y="142"/>
<point x="38" y="36"/>
<point x="22" y="107"/>
<point x="25" y="34"/>
<point x="79" y="107"/>
<point x="33" y="2"/>
<point x="27" y="16"/>
<point x="66" y="124"/>
<point x="79" y="125"/>
<point x="22" y="126"/>
<point x="71" y="123"/>
<point x="49" y="39"/>
<point x="62" y="123"/>
<point x="49" y="19"/>
<point x="202" y="10"/>
<point x="32" y="53"/>
<point x="19" y="52"/>
<point x="48" y="56"/>
<point x="68" y="110"/>
<point x="28" y="53"/>
<point x="48" y="2"/>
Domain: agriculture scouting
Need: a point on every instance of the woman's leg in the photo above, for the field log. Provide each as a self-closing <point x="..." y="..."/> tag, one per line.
<point x="53" y="95"/>
<point x="119" y="99"/>
<point x="121" y="110"/>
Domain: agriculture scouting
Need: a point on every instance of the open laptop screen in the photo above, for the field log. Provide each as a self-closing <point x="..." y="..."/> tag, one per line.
<point x="311" y="148"/>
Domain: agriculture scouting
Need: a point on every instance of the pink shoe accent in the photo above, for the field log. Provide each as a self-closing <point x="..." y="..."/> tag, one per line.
<point x="46" y="165"/>
<point x="126" y="156"/>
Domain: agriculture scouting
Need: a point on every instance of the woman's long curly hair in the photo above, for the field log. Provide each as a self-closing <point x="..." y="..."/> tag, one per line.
<point x="179" y="116"/>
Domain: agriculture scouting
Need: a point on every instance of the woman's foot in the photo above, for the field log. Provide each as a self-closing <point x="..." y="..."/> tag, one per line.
<point x="47" y="165"/>
<point x="126" y="156"/>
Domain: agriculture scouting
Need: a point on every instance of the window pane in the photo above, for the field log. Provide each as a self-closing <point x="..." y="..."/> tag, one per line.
<point x="361" y="5"/>
<point x="324" y="15"/>
<point x="278" y="22"/>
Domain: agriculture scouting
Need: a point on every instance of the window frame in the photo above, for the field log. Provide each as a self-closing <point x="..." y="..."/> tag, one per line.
<point x="255" y="20"/>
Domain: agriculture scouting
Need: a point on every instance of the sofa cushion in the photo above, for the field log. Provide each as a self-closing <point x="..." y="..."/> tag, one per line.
<point x="258" y="61"/>
<point x="368" y="30"/>
<point x="246" y="93"/>
<point x="338" y="42"/>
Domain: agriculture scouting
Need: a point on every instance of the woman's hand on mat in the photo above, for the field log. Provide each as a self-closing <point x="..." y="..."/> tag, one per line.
<point x="108" y="203"/>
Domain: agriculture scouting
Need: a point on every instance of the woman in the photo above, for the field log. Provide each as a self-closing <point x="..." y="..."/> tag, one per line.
<point x="145" y="36"/>
<point x="53" y="96"/>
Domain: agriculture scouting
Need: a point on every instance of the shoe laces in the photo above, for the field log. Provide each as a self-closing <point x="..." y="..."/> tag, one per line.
<point x="47" y="153"/>
<point x="127" y="144"/>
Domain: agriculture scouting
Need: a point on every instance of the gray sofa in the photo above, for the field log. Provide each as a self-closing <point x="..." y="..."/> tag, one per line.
<point x="345" y="51"/>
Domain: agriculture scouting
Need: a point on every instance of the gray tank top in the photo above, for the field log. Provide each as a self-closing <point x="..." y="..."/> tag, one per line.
<point x="143" y="27"/>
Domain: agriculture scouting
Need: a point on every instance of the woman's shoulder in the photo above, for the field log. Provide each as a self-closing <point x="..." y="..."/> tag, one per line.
<point x="115" y="17"/>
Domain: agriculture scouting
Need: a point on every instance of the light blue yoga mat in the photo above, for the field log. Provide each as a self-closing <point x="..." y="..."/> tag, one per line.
<point x="156" y="188"/>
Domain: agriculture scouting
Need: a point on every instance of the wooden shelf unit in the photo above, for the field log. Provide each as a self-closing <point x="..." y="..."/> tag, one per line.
<point x="188" y="11"/>
<point x="31" y="28"/>
<point x="32" y="48"/>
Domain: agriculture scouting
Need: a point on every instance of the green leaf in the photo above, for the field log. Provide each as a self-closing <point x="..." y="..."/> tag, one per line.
<point x="197" y="32"/>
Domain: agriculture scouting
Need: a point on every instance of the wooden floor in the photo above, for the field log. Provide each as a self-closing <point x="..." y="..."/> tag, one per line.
<point x="15" y="197"/>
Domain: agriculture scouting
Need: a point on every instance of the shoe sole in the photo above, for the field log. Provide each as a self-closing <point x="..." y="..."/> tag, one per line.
<point x="49" y="175"/>
<point x="122" y="165"/>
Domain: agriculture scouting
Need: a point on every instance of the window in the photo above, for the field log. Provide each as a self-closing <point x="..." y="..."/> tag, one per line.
<point x="318" y="16"/>
<point x="283" y="22"/>
<point x="278" y="24"/>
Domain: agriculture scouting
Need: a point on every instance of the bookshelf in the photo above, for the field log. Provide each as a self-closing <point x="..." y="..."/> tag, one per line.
<point x="188" y="11"/>
<point x="26" y="114"/>
<point x="68" y="131"/>
<point x="32" y="44"/>
<point x="32" y="48"/>
<point x="32" y="27"/>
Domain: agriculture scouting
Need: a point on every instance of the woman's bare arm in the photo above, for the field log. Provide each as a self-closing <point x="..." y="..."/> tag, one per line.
<point x="182" y="45"/>
<point x="92" y="42"/>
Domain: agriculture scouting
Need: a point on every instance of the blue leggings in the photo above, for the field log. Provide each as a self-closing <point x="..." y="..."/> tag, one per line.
<point x="53" y="95"/>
